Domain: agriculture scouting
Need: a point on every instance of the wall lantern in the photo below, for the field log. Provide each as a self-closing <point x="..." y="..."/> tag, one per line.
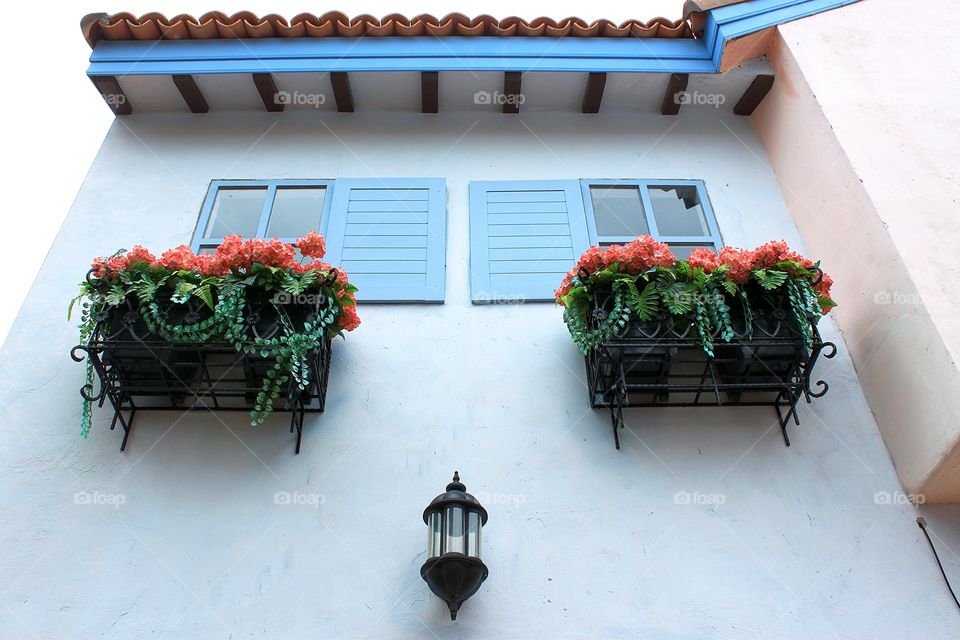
<point x="453" y="569"/>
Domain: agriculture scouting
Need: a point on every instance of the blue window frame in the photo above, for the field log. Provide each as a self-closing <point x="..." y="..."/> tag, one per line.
<point x="389" y="234"/>
<point x="285" y="209"/>
<point x="677" y="212"/>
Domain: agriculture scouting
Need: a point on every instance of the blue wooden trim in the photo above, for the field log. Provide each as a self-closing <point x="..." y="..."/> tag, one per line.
<point x="735" y="21"/>
<point x="456" y="53"/>
<point x="436" y="239"/>
<point x="267" y="209"/>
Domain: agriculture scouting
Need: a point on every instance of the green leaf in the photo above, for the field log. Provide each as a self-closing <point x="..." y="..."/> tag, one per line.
<point x="770" y="279"/>
<point x="205" y="293"/>
<point x="115" y="295"/>
<point x="645" y="303"/>
<point x="678" y="298"/>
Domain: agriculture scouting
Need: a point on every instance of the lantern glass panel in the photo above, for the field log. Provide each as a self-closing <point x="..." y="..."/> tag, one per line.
<point x="473" y="534"/>
<point x="453" y="523"/>
<point x="434" y="535"/>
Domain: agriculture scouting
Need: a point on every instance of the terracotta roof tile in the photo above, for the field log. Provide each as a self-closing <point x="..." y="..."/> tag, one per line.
<point x="156" y="26"/>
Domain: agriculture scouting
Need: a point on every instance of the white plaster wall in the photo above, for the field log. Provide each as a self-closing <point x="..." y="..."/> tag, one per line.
<point x="583" y="540"/>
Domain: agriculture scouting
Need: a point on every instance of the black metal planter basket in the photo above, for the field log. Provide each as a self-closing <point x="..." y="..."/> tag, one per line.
<point x="140" y="371"/>
<point x="662" y="363"/>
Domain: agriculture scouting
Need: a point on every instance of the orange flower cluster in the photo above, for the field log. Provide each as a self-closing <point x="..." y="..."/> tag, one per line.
<point x="634" y="258"/>
<point x="235" y="255"/>
<point x="740" y="262"/>
<point x="645" y="253"/>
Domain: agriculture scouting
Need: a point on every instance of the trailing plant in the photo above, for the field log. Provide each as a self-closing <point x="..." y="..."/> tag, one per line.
<point x="254" y="272"/>
<point x="643" y="280"/>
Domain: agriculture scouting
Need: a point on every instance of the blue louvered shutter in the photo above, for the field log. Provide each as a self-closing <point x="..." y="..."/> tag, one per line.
<point x="524" y="237"/>
<point x="390" y="235"/>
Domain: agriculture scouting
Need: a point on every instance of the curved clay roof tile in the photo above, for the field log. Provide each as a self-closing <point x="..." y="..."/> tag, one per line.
<point x="245" y="24"/>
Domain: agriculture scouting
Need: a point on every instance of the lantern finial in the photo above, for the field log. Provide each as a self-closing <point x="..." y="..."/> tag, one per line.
<point x="456" y="485"/>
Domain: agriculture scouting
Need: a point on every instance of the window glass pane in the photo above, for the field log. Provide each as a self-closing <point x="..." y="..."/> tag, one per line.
<point x="682" y="251"/>
<point x="236" y="211"/>
<point x="678" y="211"/>
<point x="296" y="210"/>
<point x="618" y="211"/>
<point x="453" y="520"/>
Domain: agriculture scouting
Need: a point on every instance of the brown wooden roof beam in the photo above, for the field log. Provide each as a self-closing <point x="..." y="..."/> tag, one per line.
<point x="429" y="91"/>
<point x="593" y="95"/>
<point x="113" y="95"/>
<point x="267" y="88"/>
<point x="676" y="88"/>
<point x="191" y="94"/>
<point x="511" y="91"/>
<point x="754" y="95"/>
<point x="340" y="82"/>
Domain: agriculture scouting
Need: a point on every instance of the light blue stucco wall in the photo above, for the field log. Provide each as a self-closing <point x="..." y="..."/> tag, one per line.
<point x="582" y="541"/>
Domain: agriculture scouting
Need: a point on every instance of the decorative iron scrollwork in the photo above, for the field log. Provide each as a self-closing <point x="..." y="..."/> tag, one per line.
<point x="661" y="362"/>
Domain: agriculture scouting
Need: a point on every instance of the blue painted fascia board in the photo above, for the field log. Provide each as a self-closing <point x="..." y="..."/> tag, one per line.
<point x="457" y="53"/>
<point x="738" y="20"/>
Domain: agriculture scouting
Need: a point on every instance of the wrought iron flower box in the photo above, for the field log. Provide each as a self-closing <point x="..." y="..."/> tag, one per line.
<point x="662" y="363"/>
<point x="139" y="371"/>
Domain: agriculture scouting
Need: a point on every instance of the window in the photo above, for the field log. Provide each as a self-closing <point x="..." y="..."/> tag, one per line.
<point x="673" y="211"/>
<point x="285" y="209"/>
<point x="526" y="235"/>
<point x="388" y="234"/>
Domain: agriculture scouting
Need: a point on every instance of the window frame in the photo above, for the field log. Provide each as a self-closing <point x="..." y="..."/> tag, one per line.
<point x="715" y="240"/>
<point x="199" y="243"/>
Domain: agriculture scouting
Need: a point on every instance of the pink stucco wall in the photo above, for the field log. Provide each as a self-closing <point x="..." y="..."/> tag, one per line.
<point x="861" y="130"/>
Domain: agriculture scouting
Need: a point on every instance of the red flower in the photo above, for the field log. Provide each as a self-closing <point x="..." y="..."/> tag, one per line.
<point x="348" y="320"/>
<point x="615" y="254"/>
<point x="99" y="266"/>
<point x="639" y="256"/>
<point x="229" y="254"/>
<point x="210" y="265"/>
<point x="738" y="261"/>
<point x="770" y="253"/>
<point x="704" y="259"/>
<point x="645" y="253"/>
<point x="312" y="245"/>
<point x="180" y="258"/>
